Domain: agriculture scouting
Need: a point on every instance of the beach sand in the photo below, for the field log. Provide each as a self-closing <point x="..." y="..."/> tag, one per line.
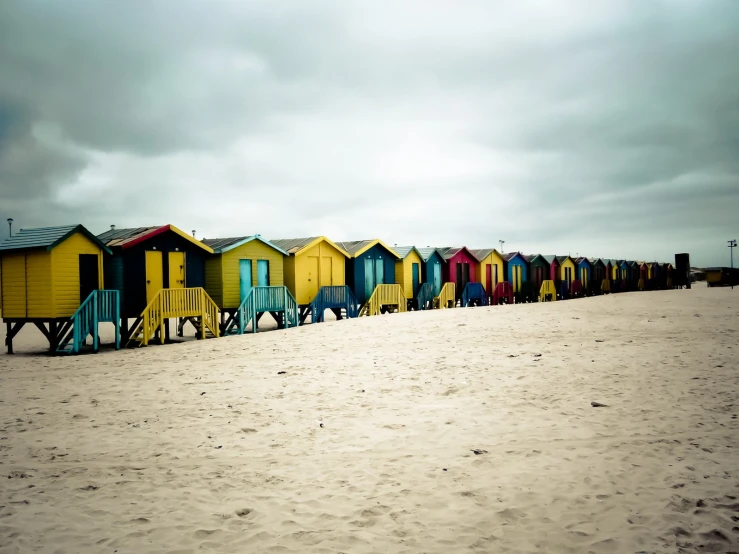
<point x="366" y="442"/>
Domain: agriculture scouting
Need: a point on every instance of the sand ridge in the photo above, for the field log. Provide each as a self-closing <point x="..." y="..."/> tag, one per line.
<point x="205" y="446"/>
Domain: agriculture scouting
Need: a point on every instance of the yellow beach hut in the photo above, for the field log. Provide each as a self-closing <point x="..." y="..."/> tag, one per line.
<point x="489" y="269"/>
<point x="409" y="275"/>
<point x="53" y="278"/>
<point x="315" y="275"/>
<point x="568" y="274"/>
<point x="245" y="279"/>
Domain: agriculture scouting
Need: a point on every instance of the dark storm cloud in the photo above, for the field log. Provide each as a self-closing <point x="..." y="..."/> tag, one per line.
<point x="593" y="124"/>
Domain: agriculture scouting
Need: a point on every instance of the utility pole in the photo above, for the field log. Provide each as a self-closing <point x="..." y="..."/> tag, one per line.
<point x="502" y="242"/>
<point x="732" y="245"/>
<point x="10" y="226"/>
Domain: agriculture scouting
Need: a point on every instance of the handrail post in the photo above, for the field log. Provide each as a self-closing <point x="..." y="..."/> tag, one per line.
<point x="95" y="336"/>
<point x="160" y="322"/>
<point x="202" y="312"/>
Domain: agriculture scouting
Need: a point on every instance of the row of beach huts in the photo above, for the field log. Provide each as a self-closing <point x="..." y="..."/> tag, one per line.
<point x="66" y="281"/>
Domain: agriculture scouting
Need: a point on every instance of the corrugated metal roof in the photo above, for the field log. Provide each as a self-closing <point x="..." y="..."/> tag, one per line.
<point x="481" y="253"/>
<point x="354" y="246"/>
<point x="508" y="257"/>
<point x="561" y="259"/>
<point x="220" y="246"/>
<point x="427" y="252"/>
<point x="45" y="237"/>
<point x="217" y="244"/>
<point x="549" y="258"/>
<point x="119" y="237"/>
<point x="531" y="257"/>
<point x="292" y="246"/>
<point x="448" y="252"/>
<point x="403" y="251"/>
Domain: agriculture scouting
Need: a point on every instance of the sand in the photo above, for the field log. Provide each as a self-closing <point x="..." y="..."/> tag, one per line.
<point x="365" y="442"/>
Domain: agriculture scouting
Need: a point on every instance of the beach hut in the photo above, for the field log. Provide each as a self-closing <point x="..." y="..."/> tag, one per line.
<point x="52" y="277"/>
<point x="539" y="270"/>
<point x="654" y="278"/>
<point x="433" y="269"/>
<point x="315" y="274"/>
<point x="643" y="275"/>
<point x="409" y="274"/>
<point x="599" y="279"/>
<point x="584" y="273"/>
<point x="160" y="273"/>
<point x="516" y="271"/>
<point x="245" y="278"/>
<point x="371" y="263"/>
<point x="554" y="270"/>
<point x="461" y="268"/>
<point x="490" y="268"/>
<point x="630" y="275"/>
<point x="567" y="275"/>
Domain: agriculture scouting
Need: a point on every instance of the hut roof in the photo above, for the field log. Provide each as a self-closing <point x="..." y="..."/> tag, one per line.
<point x="581" y="259"/>
<point x="127" y="238"/>
<point x="531" y="257"/>
<point x="427" y="252"/>
<point x="358" y="247"/>
<point x="404" y="251"/>
<point x="550" y="258"/>
<point x="561" y="259"/>
<point x="481" y="253"/>
<point x="295" y="246"/>
<point x="508" y="257"/>
<point x="448" y="252"/>
<point x="46" y="237"/>
<point x="600" y="261"/>
<point x="220" y="246"/>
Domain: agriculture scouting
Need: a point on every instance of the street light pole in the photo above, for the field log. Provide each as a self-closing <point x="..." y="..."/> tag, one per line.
<point x="502" y="242"/>
<point x="732" y="245"/>
<point x="10" y="226"/>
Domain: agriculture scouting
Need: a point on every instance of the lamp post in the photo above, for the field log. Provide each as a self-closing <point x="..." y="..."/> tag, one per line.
<point x="502" y="242"/>
<point x="10" y="226"/>
<point x="732" y="245"/>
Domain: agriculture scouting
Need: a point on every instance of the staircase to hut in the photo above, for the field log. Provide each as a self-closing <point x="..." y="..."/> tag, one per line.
<point x="474" y="294"/>
<point x="276" y="300"/>
<point x="425" y="297"/>
<point x="385" y="298"/>
<point x="189" y="304"/>
<point x="101" y="306"/>
<point x="447" y="296"/>
<point x="339" y="299"/>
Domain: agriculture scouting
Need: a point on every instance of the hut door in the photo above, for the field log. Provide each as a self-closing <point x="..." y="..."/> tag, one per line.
<point x="262" y="273"/>
<point x="369" y="277"/>
<point x="414" y="276"/>
<point x="245" y="279"/>
<point x="176" y="270"/>
<point x="326" y="272"/>
<point x="489" y="278"/>
<point x="495" y="276"/>
<point x="437" y="279"/>
<point x="89" y="278"/>
<point x="154" y="274"/>
<point x="379" y="272"/>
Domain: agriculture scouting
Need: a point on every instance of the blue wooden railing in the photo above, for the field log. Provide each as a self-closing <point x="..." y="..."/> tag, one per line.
<point x="333" y="297"/>
<point x="100" y="306"/>
<point x="425" y="296"/>
<point x="264" y="299"/>
<point x="472" y="292"/>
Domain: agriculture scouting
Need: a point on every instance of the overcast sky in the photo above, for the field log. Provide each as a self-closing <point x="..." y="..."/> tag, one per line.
<point x="595" y="128"/>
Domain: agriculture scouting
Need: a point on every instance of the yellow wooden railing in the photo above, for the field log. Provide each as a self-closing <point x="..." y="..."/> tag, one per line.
<point x="384" y="295"/>
<point x="176" y="303"/>
<point x="447" y="296"/>
<point x="547" y="289"/>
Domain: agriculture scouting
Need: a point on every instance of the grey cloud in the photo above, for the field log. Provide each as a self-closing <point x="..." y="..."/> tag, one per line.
<point x="415" y="122"/>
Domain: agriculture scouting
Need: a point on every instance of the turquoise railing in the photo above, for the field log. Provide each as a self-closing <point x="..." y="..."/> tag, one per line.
<point x="99" y="307"/>
<point x="333" y="297"/>
<point x="264" y="299"/>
